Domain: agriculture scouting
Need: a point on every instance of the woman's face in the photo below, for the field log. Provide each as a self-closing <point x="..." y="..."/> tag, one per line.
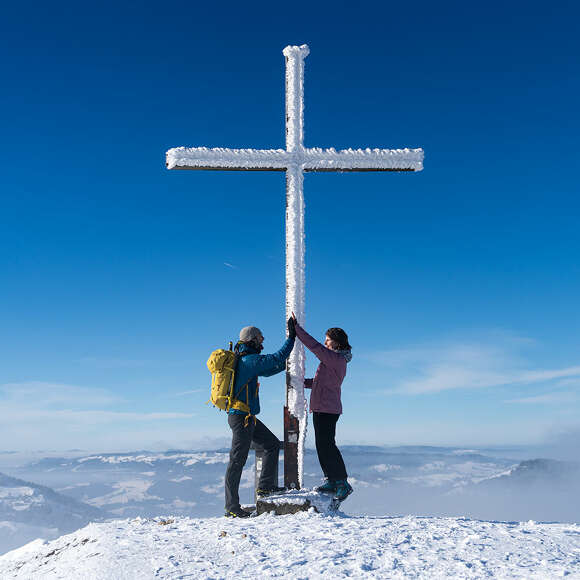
<point x="329" y="343"/>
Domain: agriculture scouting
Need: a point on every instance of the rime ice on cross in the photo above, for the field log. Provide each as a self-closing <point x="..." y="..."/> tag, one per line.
<point x="295" y="160"/>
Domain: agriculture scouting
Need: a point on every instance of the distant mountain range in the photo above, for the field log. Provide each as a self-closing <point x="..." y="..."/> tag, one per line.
<point x="534" y="472"/>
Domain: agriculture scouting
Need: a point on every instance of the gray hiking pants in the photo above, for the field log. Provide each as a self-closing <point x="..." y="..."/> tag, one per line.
<point x="242" y="438"/>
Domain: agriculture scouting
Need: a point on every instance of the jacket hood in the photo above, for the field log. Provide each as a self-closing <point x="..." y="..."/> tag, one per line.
<point x="347" y="354"/>
<point x="246" y="348"/>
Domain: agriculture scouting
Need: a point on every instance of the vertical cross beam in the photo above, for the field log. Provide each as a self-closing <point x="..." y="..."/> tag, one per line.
<point x="294" y="410"/>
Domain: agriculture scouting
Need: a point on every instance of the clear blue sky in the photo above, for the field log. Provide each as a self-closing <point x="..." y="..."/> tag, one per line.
<point x="458" y="286"/>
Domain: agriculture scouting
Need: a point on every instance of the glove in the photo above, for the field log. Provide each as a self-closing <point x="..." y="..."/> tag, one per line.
<point x="291" y="328"/>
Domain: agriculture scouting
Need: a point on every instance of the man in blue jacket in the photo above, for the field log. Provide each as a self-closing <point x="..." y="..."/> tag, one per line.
<point x="245" y="426"/>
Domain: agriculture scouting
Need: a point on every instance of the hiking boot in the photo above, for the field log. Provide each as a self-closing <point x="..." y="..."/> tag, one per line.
<point x="237" y="513"/>
<point x="329" y="486"/>
<point x="266" y="491"/>
<point x="343" y="490"/>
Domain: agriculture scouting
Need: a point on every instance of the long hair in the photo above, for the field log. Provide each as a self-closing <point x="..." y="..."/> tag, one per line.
<point x="340" y="337"/>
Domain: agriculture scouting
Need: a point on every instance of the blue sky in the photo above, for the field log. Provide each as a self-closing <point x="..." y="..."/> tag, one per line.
<point x="458" y="286"/>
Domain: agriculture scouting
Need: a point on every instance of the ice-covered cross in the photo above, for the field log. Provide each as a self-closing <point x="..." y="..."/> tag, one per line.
<point x="295" y="160"/>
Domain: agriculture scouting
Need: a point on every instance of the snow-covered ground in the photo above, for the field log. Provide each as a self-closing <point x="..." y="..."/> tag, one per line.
<point x="306" y="545"/>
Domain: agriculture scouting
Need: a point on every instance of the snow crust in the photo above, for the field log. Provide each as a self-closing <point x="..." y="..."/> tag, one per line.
<point x="222" y="158"/>
<point x="295" y="56"/>
<point x="295" y="302"/>
<point x="308" y="159"/>
<point x="317" y="159"/>
<point x="304" y="545"/>
<point x="320" y="501"/>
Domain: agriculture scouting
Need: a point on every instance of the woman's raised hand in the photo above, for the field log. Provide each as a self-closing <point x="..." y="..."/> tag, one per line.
<point x="292" y="327"/>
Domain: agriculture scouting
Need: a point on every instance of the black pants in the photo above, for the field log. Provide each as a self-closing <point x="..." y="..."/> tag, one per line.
<point x="328" y="453"/>
<point x="242" y="438"/>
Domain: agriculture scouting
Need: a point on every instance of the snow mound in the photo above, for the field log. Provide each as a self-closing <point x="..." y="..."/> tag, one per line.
<point x="305" y="545"/>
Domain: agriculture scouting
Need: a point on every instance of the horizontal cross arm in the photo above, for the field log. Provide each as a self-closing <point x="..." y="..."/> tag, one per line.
<point x="316" y="159"/>
<point x="313" y="159"/>
<point x="232" y="159"/>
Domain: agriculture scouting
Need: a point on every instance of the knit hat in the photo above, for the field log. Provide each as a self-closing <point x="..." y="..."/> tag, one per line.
<point x="248" y="333"/>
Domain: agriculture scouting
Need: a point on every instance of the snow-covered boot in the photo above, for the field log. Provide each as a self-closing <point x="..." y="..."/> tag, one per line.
<point x="343" y="490"/>
<point x="329" y="486"/>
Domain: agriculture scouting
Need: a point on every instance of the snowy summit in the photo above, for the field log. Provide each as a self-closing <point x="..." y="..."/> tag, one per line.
<point x="307" y="545"/>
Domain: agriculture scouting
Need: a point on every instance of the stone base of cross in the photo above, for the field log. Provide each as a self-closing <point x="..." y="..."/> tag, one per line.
<point x="295" y="160"/>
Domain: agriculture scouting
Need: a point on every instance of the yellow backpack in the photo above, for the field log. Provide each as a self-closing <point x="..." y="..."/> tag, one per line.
<point x="222" y="366"/>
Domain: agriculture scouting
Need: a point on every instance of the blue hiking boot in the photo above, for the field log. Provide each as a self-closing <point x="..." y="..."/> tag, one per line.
<point x="343" y="490"/>
<point x="328" y="486"/>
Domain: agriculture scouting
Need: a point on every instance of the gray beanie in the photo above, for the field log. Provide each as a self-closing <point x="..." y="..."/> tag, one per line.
<point x="248" y="333"/>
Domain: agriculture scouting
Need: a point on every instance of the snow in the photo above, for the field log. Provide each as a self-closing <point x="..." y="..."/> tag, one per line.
<point x="352" y="159"/>
<point x="295" y="294"/>
<point x="181" y="479"/>
<point x="15" y="534"/>
<point x="295" y="56"/>
<point x="383" y="468"/>
<point x="199" y="157"/>
<point x="308" y="159"/>
<point x="125" y="492"/>
<point x="295" y="242"/>
<point x="12" y="492"/>
<point x="320" y="501"/>
<point x="305" y="545"/>
<point x="186" y="459"/>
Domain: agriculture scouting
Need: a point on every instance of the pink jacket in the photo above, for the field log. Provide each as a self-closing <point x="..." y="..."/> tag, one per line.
<point x="325" y="395"/>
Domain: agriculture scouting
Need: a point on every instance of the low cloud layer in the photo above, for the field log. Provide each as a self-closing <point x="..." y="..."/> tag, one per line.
<point x="42" y="414"/>
<point x="473" y="365"/>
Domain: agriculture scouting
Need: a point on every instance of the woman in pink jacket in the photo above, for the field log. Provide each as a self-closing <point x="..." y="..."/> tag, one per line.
<point x="325" y="404"/>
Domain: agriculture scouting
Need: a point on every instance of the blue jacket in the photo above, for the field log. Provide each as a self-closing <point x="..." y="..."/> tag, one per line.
<point x="254" y="365"/>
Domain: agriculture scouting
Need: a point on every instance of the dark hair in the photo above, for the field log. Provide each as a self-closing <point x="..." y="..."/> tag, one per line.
<point x="340" y="337"/>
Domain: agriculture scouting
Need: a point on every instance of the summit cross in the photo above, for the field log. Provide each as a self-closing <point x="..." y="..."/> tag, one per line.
<point x="295" y="160"/>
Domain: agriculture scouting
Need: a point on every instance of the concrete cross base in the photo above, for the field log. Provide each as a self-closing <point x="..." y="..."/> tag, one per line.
<point x="280" y="507"/>
<point x="293" y="502"/>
